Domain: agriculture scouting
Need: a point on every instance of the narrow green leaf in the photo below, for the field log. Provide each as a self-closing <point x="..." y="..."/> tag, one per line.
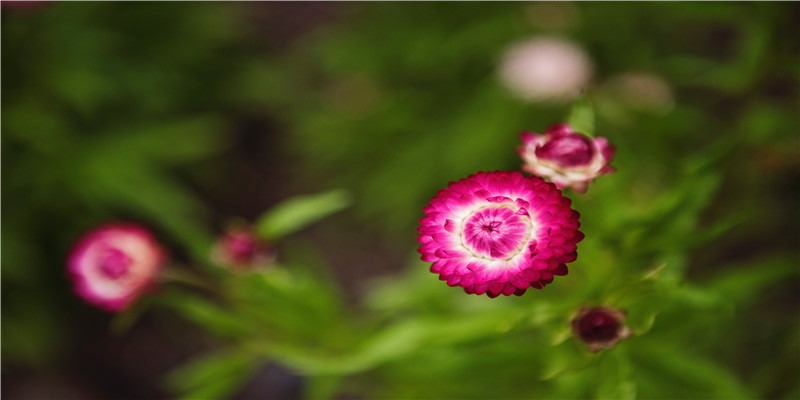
<point x="616" y="376"/>
<point x="211" y="376"/>
<point x="742" y="283"/>
<point x="691" y="374"/>
<point x="581" y="117"/>
<point x="298" y="212"/>
<point x="171" y="142"/>
<point x="214" y="318"/>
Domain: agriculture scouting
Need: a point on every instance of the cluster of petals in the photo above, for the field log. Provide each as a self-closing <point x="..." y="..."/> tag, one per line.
<point x="499" y="233"/>
<point x="114" y="264"/>
<point x="566" y="158"/>
<point x="600" y="327"/>
<point x="240" y="248"/>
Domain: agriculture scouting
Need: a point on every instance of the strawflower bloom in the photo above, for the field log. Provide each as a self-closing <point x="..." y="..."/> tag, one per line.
<point x="600" y="327"/>
<point x="545" y="69"/>
<point x="566" y="158"/>
<point x="114" y="264"/>
<point x="499" y="233"/>
<point x="240" y="248"/>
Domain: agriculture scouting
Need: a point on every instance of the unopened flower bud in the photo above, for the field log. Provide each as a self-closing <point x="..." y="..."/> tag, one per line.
<point x="240" y="248"/>
<point x="600" y="327"/>
<point x="566" y="158"/>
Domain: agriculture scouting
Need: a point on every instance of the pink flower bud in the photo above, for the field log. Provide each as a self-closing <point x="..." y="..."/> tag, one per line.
<point x="499" y="233"/>
<point x="600" y="327"/>
<point x="566" y="158"/>
<point x="113" y="265"/>
<point x="240" y="248"/>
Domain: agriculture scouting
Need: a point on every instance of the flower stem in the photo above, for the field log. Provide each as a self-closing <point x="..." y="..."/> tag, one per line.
<point x="184" y="276"/>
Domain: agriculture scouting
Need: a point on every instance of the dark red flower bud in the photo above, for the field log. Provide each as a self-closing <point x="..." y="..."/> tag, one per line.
<point x="600" y="327"/>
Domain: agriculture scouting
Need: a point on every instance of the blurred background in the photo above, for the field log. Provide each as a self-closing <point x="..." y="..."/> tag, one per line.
<point x="185" y="116"/>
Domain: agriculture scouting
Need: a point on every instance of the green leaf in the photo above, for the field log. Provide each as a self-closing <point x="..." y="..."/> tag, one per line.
<point x="287" y="304"/>
<point x="170" y="142"/>
<point x="395" y="341"/>
<point x="678" y="371"/>
<point x="298" y="212"/>
<point x="616" y="376"/>
<point x="742" y="283"/>
<point x="215" y="319"/>
<point x="144" y="189"/>
<point x="581" y="117"/>
<point x="212" y="376"/>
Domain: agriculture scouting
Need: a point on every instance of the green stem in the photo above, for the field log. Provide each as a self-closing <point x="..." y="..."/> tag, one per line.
<point x="184" y="276"/>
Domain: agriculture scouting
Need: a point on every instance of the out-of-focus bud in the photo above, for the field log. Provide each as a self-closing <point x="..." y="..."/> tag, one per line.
<point x="600" y="327"/>
<point x="546" y="69"/>
<point x="240" y="248"/>
<point x="640" y="91"/>
<point x="113" y="265"/>
<point x="566" y="158"/>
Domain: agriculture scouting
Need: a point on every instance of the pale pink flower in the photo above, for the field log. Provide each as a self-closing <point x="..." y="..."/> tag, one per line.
<point x="113" y="265"/>
<point x="499" y="233"/>
<point x="566" y="158"/>
<point x="545" y="69"/>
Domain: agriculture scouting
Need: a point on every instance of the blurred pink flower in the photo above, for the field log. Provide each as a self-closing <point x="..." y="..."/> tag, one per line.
<point x="566" y="158"/>
<point x="600" y="327"/>
<point x="545" y="69"/>
<point x="114" y="264"/>
<point x="499" y="233"/>
<point x="240" y="248"/>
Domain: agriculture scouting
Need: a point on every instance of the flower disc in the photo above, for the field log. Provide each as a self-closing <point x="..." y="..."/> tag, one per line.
<point x="499" y="233"/>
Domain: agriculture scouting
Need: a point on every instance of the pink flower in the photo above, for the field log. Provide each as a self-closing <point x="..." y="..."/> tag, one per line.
<point x="545" y="69"/>
<point x="114" y="264"/>
<point x="566" y="158"/>
<point x="240" y="248"/>
<point x="600" y="327"/>
<point x="499" y="233"/>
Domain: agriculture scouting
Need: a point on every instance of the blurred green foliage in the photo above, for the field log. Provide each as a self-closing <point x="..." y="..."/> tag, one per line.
<point x="100" y="110"/>
<point x="109" y="107"/>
